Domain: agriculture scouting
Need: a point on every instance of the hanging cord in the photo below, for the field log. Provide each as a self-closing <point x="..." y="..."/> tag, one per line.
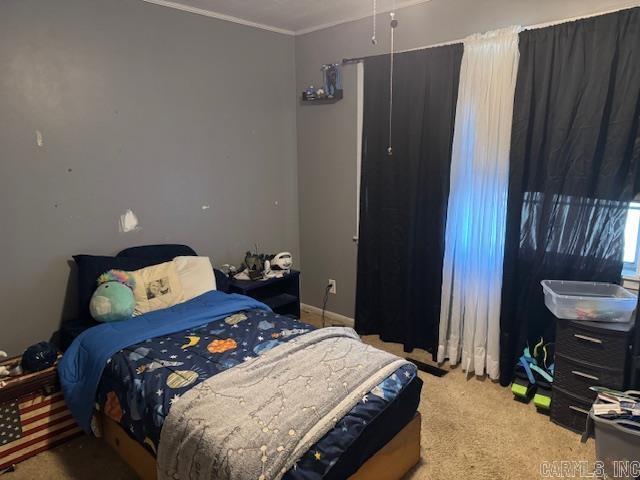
<point x="327" y="289"/>
<point x="394" y="24"/>
<point x="374" y="40"/>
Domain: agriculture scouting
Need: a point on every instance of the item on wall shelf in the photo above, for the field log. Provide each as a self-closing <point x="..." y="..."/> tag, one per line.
<point x="309" y="93"/>
<point x="324" y="98"/>
<point x="332" y="79"/>
<point x="113" y="300"/>
<point x="331" y="91"/>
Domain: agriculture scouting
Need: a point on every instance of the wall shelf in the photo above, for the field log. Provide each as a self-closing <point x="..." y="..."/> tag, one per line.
<point x="338" y="96"/>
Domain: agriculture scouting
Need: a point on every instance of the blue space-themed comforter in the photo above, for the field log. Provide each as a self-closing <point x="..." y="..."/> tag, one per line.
<point x="140" y="382"/>
<point x="82" y="364"/>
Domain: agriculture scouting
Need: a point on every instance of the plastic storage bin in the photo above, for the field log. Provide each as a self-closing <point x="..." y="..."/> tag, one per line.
<point x="618" y="447"/>
<point x="591" y="301"/>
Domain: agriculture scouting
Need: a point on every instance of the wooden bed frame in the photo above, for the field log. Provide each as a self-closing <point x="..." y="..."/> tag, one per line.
<point x="391" y="462"/>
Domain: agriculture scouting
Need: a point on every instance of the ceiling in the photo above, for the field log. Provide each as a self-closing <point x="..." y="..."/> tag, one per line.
<point x="293" y="17"/>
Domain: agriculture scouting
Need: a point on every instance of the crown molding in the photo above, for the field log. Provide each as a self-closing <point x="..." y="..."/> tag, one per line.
<point x="219" y="16"/>
<point x="270" y="28"/>
<point x="355" y="18"/>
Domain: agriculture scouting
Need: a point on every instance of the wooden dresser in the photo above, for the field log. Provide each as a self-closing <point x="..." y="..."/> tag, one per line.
<point x="587" y="354"/>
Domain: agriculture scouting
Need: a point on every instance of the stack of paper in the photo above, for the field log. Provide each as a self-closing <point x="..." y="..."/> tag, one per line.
<point x="613" y="404"/>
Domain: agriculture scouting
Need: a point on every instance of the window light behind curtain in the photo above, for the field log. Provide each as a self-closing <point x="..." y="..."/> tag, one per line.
<point x="574" y="167"/>
<point x="475" y="231"/>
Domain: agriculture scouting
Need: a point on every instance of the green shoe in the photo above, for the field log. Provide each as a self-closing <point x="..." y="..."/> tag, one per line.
<point x="522" y="390"/>
<point x="542" y="400"/>
<point x="543" y="373"/>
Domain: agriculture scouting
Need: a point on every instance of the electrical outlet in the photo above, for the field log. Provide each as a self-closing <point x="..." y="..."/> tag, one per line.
<point x="332" y="282"/>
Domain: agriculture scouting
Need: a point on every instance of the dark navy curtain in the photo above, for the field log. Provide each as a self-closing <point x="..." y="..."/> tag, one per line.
<point x="404" y="196"/>
<point x="575" y="153"/>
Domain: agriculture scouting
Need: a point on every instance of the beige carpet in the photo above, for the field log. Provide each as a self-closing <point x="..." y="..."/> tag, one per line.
<point x="471" y="428"/>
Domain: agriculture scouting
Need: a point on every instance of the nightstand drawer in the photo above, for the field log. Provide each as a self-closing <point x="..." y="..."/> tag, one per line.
<point x="576" y="377"/>
<point x="597" y="346"/>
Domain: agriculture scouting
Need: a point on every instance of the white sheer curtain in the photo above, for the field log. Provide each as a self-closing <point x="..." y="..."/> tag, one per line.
<point x="476" y="216"/>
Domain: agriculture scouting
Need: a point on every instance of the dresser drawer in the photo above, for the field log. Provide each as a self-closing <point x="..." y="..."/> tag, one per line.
<point x="576" y="377"/>
<point x="568" y="410"/>
<point x="598" y="346"/>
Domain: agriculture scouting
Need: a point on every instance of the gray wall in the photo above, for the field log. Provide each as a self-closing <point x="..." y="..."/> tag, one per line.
<point x="140" y="107"/>
<point x="327" y="133"/>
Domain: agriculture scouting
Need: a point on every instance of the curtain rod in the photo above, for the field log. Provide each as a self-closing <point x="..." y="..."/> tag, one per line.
<point x="631" y="6"/>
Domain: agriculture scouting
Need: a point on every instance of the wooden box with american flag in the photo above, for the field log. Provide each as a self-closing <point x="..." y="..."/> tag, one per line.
<point x="33" y="415"/>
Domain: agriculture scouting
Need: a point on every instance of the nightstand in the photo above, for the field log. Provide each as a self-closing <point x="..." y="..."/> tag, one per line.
<point x="281" y="294"/>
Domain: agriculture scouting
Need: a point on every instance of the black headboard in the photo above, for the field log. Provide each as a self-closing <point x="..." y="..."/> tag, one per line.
<point x="128" y="259"/>
<point x="165" y="252"/>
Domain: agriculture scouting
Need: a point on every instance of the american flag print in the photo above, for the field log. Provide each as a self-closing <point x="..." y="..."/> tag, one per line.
<point x="32" y="425"/>
<point x="10" y="428"/>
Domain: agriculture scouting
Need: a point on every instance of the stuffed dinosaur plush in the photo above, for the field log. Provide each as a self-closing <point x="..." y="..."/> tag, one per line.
<point x="113" y="300"/>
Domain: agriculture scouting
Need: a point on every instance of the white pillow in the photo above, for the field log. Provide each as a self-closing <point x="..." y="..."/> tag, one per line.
<point x="157" y="287"/>
<point x="196" y="276"/>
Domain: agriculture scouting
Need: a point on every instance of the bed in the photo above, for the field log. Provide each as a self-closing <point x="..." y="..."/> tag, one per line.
<point x="377" y="437"/>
